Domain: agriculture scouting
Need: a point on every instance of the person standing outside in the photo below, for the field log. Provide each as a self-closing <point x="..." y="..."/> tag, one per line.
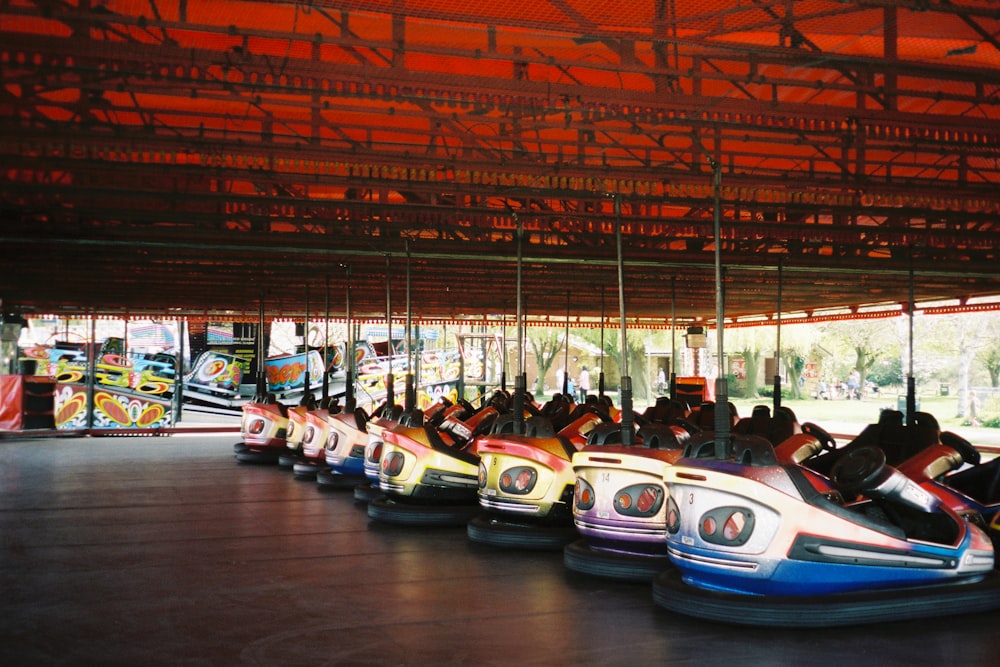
<point x="854" y="385"/>
<point x="583" y="384"/>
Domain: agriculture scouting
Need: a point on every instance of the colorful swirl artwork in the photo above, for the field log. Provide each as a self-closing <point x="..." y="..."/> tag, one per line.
<point x="112" y="409"/>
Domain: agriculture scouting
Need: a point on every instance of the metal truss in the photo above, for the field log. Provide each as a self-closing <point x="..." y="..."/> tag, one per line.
<point x="165" y="154"/>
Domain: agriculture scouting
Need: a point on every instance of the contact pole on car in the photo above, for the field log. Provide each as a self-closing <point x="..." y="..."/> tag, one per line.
<point x="389" y="379"/>
<point x="628" y="418"/>
<point x="521" y="381"/>
<point x="721" y="387"/>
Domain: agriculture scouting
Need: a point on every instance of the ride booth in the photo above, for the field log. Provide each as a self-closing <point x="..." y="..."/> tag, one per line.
<point x="26" y="401"/>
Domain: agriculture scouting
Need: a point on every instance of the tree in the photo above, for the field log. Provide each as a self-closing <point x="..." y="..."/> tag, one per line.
<point x="887" y="372"/>
<point x="989" y="355"/>
<point x="751" y="368"/>
<point x="546" y="345"/>
<point x="798" y="344"/>
<point x="864" y="341"/>
<point x="637" y="361"/>
<point x="750" y="342"/>
<point x="970" y="333"/>
<point x="991" y="361"/>
<point x="794" y="363"/>
<point x="637" y="365"/>
<point x="610" y="362"/>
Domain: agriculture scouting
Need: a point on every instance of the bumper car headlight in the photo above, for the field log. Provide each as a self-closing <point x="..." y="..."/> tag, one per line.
<point x="256" y="427"/>
<point x="392" y="464"/>
<point x="583" y="496"/>
<point x="673" y="516"/>
<point x="729" y="526"/>
<point x="639" y="500"/>
<point x="518" y="481"/>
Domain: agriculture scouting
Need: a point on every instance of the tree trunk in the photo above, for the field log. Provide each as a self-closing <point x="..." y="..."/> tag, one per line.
<point x="965" y="355"/>
<point x="751" y="360"/>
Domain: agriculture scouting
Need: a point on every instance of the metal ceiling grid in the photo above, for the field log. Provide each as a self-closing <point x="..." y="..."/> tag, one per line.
<point x="201" y="157"/>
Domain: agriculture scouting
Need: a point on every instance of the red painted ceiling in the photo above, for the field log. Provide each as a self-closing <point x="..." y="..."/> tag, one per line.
<point x="207" y="158"/>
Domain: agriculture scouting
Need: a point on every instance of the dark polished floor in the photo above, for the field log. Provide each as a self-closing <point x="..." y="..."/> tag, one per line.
<point x="137" y="551"/>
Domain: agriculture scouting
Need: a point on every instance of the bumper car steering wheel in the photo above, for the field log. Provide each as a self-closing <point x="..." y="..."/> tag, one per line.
<point x="857" y="470"/>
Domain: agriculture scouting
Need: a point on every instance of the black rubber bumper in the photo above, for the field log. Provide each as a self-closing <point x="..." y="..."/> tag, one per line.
<point x="842" y="609"/>
<point x="580" y="557"/>
<point x="495" y="531"/>
<point x="387" y="510"/>
<point x="327" y="479"/>
<point x="365" y="492"/>
<point x="307" y="468"/>
<point x="253" y="455"/>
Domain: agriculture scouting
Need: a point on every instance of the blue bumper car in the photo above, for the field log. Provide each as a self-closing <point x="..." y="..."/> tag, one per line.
<point x="756" y="541"/>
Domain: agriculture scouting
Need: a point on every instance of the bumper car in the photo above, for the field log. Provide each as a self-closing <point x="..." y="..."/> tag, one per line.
<point x="994" y="530"/>
<point x="758" y="542"/>
<point x="897" y="440"/>
<point x="618" y="500"/>
<point x="619" y="508"/>
<point x="344" y="451"/>
<point x="381" y="418"/>
<point x="311" y="459"/>
<point x="368" y="490"/>
<point x="942" y="462"/>
<point x="429" y="475"/>
<point x="295" y="433"/>
<point x="952" y="470"/>
<point x="526" y="485"/>
<point x="263" y="428"/>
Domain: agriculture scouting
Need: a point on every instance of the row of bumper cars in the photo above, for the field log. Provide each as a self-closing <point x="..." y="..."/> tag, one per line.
<point x="763" y="539"/>
<point x="784" y="530"/>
